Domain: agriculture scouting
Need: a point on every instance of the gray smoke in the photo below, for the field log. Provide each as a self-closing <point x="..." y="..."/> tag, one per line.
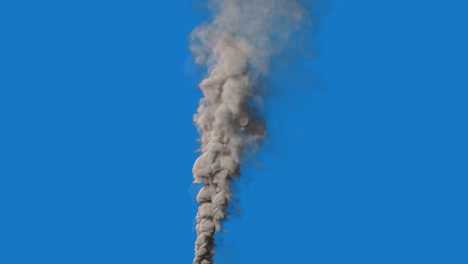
<point x="236" y="47"/>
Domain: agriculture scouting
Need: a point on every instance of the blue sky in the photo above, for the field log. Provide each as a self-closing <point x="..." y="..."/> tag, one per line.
<point x="365" y="164"/>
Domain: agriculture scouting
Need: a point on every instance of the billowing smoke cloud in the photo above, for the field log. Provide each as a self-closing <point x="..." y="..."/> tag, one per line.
<point x="236" y="47"/>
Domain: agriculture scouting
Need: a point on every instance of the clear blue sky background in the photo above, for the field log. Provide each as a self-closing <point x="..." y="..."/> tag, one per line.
<point x="97" y="141"/>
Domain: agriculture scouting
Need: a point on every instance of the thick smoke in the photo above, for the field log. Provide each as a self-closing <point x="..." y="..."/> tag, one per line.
<point x="236" y="47"/>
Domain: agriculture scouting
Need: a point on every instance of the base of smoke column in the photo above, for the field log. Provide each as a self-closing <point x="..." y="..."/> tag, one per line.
<point x="207" y="257"/>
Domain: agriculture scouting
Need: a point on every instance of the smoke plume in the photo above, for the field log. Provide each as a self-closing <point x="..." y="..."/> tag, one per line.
<point x="236" y="47"/>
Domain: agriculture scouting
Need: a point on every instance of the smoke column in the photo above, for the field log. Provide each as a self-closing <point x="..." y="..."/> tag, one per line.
<point x="236" y="47"/>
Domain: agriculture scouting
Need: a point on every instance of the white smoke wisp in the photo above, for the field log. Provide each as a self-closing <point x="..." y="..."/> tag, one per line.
<point x="236" y="47"/>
